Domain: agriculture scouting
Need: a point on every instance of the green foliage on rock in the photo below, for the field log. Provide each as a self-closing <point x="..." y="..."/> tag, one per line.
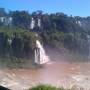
<point x="16" y="42"/>
<point x="56" y="29"/>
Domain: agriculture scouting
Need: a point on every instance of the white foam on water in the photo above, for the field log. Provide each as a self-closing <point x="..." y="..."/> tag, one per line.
<point x="78" y="78"/>
<point x="82" y="81"/>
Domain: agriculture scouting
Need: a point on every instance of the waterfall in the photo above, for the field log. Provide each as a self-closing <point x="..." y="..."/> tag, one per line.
<point x="39" y="23"/>
<point x="32" y="25"/>
<point x="40" y="54"/>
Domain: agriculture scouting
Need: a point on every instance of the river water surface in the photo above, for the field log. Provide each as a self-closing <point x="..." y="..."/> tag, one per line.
<point x="58" y="72"/>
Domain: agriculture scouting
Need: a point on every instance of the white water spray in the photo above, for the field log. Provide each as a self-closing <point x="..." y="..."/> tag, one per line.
<point x="40" y="54"/>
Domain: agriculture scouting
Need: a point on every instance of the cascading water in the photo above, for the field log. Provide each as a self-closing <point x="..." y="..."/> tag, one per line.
<point x="40" y="55"/>
<point x="39" y="22"/>
<point x="32" y="25"/>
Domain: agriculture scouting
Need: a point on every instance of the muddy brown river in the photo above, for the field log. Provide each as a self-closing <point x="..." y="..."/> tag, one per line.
<point x="58" y="72"/>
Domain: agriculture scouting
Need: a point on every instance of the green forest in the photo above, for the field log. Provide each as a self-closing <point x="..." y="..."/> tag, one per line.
<point x="17" y="38"/>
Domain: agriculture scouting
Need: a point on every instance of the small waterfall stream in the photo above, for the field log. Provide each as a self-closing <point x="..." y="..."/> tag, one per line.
<point x="32" y="25"/>
<point x="40" y="54"/>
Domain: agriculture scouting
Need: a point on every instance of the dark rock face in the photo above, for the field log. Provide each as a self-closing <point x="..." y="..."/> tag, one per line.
<point x="3" y="88"/>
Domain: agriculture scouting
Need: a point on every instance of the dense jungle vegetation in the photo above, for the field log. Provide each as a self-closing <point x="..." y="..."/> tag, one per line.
<point x="56" y="29"/>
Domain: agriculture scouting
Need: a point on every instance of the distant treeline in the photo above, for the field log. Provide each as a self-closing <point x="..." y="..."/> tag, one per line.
<point x="48" y="22"/>
<point x="56" y="29"/>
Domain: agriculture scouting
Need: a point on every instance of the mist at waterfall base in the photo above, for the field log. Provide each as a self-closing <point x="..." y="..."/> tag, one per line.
<point x="49" y="54"/>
